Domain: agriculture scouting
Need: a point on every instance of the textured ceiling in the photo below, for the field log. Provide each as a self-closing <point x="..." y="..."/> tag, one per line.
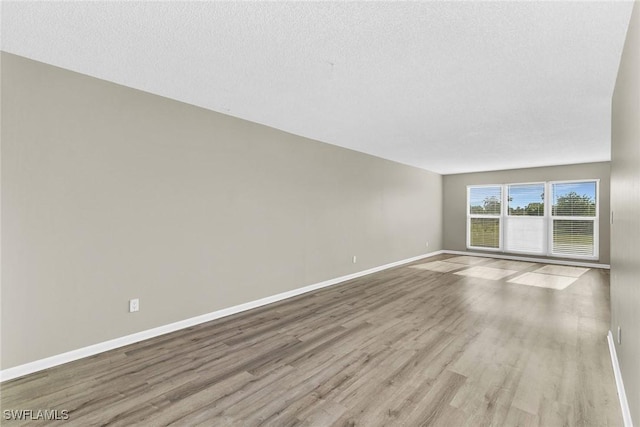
<point x="445" y="86"/>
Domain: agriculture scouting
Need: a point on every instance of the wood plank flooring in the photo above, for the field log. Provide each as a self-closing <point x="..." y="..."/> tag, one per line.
<point x="406" y="346"/>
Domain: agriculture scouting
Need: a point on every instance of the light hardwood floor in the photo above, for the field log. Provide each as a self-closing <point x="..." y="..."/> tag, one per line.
<point x="406" y="346"/>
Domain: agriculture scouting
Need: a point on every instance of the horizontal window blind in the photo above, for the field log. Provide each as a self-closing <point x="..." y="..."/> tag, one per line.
<point x="573" y="237"/>
<point x="485" y="232"/>
<point x="525" y="234"/>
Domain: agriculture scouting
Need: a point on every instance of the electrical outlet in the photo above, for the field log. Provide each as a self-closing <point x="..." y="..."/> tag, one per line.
<point x="134" y="305"/>
<point x="619" y="335"/>
<point x="355" y="259"/>
<point x="427" y="245"/>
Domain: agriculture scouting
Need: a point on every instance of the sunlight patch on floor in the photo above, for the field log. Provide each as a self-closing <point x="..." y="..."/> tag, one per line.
<point x="539" y="280"/>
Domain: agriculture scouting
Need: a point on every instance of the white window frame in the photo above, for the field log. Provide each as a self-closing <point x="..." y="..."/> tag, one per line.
<point x="544" y="218"/>
<point x="595" y="219"/>
<point x="548" y="218"/>
<point x="498" y="217"/>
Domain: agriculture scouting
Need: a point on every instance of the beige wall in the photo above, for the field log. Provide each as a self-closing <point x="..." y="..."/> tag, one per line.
<point x="109" y="193"/>
<point x="625" y="203"/>
<point x="455" y="197"/>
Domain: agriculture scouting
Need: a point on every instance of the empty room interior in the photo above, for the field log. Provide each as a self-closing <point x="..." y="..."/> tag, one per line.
<point x="320" y="213"/>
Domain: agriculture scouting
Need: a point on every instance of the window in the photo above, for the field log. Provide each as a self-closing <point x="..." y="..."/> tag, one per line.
<point x="484" y="215"/>
<point x="525" y="226"/>
<point x="574" y="217"/>
<point x="546" y="218"/>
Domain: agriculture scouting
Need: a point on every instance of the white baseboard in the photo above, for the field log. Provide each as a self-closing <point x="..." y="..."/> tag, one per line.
<point x="531" y="259"/>
<point x="59" y="359"/>
<point x="624" y="404"/>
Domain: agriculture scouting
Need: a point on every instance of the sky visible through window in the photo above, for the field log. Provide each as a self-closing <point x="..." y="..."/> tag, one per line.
<point x="522" y="195"/>
<point x="580" y="188"/>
